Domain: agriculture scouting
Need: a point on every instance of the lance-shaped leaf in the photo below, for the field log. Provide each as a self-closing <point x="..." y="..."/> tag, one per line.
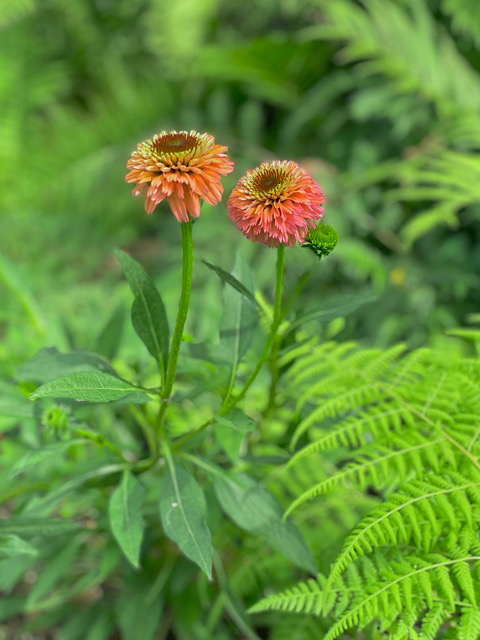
<point x="12" y="545"/>
<point x="149" y="318"/>
<point x="126" y="517"/>
<point x="239" y="318"/>
<point x="183" y="516"/>
<point x="48" y="364"/>
<point x="87" y="386"/>
<point x="254" y="509"/>
<point x="232" y="281"/>
<point x="20" y="525"/>
<point x="36" y="457"/>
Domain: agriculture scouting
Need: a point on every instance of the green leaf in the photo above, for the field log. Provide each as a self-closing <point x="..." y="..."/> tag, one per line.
<point x="239" y="318"/>
<point x="149" y="318"/>
<point x="57" y="566"/>
<point x="36" y="456"/>
<point x="36" y="526"/>
<point x="110" y="337"/>
<point x="237" y="420"/>
<point x="183" y="516"/>
<point x="230" y="441"/>
<point x="48" y="364"/>
<point x="12" y="545"/>
<point x="254" y="509"/>
<point x="87" y="386"/>
<point x="331" y="309"/>
<point x="232" y="281"/>
<point x="97" y="477"/>
<point x="126" y="517"/>
<point x="15" y="407"/>
<point x="230" y="431"/>
<point x="139" y="600"/>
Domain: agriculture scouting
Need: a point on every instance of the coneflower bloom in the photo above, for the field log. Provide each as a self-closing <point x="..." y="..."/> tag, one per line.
<point x="276" y="203"/>
<point x="181" y="166"/>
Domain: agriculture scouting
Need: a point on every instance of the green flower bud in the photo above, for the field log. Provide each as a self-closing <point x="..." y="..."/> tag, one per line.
<point x="56" y="418"/>
<point x="321" y="240"/>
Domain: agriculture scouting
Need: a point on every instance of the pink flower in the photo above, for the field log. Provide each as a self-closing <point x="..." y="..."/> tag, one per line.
<point x="182" y="167"/>
<point x="276" y="203"/>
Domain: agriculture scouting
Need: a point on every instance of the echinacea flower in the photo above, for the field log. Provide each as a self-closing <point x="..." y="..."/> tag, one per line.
<point x="276" y="203"/>
<point x="182" y="167"/>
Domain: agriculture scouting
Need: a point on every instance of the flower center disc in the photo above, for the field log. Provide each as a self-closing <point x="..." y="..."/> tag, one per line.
<point x="269" y="183"/>
<point x="174" y="143"/>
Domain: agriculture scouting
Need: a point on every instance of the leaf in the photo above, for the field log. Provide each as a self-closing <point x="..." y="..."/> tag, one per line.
<point x="15" y="407"/>
<point x="12" y="545"/>
<point x="232" y="281"/>
<point x="230" y="431"/>
<point x="54" y="570"/>
<point x="36" y="456"/>
<point x="138" y="600"/>
<point x="183" y="516"/>
<point x="36" y="526"/>
<point x="239" y="318"/>
<point x="331" y="309"/>
<point x="126" y="517"/>
<point x="149" y="318"/>
<point x="237" y="420"/>
<point x="48" y="364"/>
<point x="230" y="441"/>
<point x="110" y="337"/>
<point x="254" y="509"/>
<point x="87" y="386"/>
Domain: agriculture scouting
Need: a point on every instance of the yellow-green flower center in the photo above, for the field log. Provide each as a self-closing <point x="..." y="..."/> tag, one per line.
<point x="269" y="182"/>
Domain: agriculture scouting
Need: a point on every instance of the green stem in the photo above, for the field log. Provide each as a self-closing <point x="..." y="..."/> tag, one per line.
<point x="187" y="270"/>
<point x="277" y="317"/>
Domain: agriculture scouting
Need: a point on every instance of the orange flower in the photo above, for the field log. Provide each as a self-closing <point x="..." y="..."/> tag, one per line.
<point x="182" y="167"/>
<point x="276" y="203"/>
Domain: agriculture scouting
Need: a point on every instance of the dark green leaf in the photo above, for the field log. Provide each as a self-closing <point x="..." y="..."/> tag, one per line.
<point x="126" y="517"/>
<point x="149" y="318"/>
<point x="86" y="386"/>
<point x="49" y="364"/>
<point x="54" y="570"/>
<point x="232" y="281"/>
<point x="183" y="515"/>
<point x="254" y="509"/>
<point x="36" y="526"/>
<point x="110" y="337"/>
<point x="239" y="318"/>
<point x="138" y="601"/>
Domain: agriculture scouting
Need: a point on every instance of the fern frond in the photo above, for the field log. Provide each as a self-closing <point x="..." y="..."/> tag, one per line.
<point x="469" y="624"/>
<point x="442" y="572"/>
<point x="450" y="178"/>
<point x="304" y="597"/>
<point x="432" y="621"/>
<point x="378" y="466"/>
<point x="465" y="18"/>
<point x="409" y="514"/>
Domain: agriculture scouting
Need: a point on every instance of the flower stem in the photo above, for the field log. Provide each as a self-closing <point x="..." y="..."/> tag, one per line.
<point x="187" y="270"/>
<point x="277" y="317"/>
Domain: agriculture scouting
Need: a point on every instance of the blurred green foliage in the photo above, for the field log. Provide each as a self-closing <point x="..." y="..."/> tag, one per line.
<point x="379" y="100"/>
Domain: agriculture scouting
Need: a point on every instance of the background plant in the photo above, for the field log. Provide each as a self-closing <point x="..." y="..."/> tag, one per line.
<point x="378" y="100"/>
